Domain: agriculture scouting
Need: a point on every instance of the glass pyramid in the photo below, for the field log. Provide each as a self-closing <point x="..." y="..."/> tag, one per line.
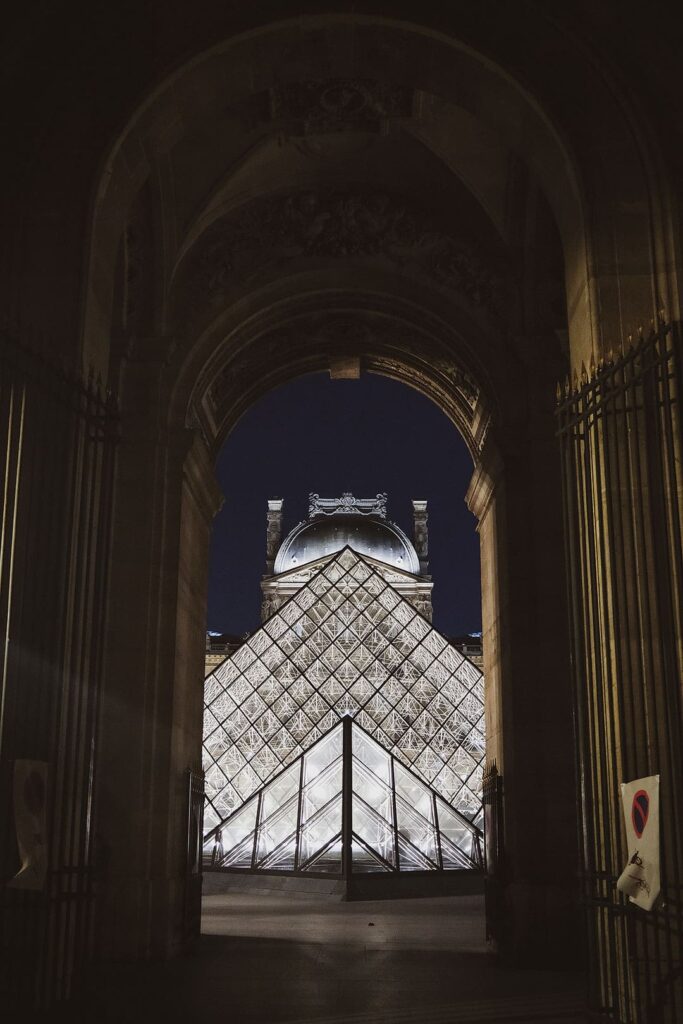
<point x="344" y="806"/>
<point x="345" y="644"/>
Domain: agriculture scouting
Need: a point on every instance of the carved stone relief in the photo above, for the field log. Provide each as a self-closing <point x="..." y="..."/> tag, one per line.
<point x="315" y="334"/>
<point x="338" y="224"/>
<point x="347" y="503"/>
<point x="420" y="529"/>
<point x="273" y="531"/>
<point x="339" y="104"/>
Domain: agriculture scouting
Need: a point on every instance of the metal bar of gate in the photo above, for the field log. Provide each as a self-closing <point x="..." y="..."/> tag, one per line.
<point x="62" y="516"/>
<point x="621" y="446"/>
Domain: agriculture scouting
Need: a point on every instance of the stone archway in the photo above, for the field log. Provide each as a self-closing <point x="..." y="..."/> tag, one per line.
<point x="470" y="152"/>
<point x="301" y="324"/>
<point x="318" y="229"/>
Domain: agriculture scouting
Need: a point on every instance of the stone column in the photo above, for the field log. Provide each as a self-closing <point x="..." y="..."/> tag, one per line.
<point x="150" y="730"/>
<point x="273" y="532"/>
<point x="515" y="494"/>
<point x="421" y="534"/>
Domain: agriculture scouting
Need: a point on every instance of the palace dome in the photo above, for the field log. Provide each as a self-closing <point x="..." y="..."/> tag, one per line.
<point x="367" y="534"/>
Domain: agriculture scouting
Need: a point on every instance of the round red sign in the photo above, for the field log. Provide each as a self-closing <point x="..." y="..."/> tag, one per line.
<point x="640" y="808"/>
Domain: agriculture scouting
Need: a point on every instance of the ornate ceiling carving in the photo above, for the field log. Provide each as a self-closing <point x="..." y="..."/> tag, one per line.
<point x="310" y="336"/>
<point x="339" y="224"/>
<point x="308" y="343"/>
<point x="320" y="106"/>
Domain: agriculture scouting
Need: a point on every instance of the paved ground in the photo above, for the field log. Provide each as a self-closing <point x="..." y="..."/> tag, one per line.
<point x="277" y="959"/>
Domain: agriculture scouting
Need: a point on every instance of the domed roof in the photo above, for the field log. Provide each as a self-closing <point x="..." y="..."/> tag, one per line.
<point x="366" y="534"/>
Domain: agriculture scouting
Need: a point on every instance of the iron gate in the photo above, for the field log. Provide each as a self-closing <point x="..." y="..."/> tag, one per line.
<point x="193" y="872"/>
<point x="492" y="799"/>
<point x="57" y="469"/>
<point x="621" y="446"/>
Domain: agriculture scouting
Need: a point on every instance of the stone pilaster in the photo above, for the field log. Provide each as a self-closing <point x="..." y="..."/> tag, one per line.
<point x="273" y="532"/>
<point x="421" y="534"/>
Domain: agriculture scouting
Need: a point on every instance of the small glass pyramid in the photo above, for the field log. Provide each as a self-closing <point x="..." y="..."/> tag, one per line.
<point x="345" y="805"/>
<point x="345" y="644"/>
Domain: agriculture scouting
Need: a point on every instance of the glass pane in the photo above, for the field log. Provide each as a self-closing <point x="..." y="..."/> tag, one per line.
<point x="281" y="859"/>
<point x="362" y="690"/>
<point x="239" y="825"/>
<point x="372" y="756"/>
<point x="319" y="792"/>
<point x="329" y="861"/>
<point x="411" y="859"/>
<point x="416" y="829"/>
<point x="364" y="860"/>
<point x="374" y="830"/>
<point x="227" y="802"/>
<point x="323" y="754"/>
<point x="212" y="852"/>
<point x="320" y="829"/>
<point x="453" y="829"/>
<point x="414" y="792"/>
<point x="211" y="819"/>
<point x="373" y="792"/>
<point x="299" y="725"/>
<point x="280" y="790"/>
<point x="276" y="828"/>
<point x="453" y="857"/>
<point x="239" y="856"/>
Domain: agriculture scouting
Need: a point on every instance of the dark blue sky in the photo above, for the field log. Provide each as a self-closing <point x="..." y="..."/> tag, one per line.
<point x="328" y="436"/>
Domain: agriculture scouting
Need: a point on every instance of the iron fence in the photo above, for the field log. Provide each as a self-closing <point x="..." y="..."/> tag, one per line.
<point x="492" y="799"/>
<point x="619" y="427"/>
<point x="57" y="469"/>
<point x="193" y="873"/>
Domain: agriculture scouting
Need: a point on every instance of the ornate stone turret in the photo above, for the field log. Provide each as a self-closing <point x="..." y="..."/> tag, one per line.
<point x="421" y="534"/>
<point x="273" y="532"/>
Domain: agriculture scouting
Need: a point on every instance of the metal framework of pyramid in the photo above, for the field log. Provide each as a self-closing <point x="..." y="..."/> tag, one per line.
<point x="346" y="644"/>
<point x="345" y="806"/>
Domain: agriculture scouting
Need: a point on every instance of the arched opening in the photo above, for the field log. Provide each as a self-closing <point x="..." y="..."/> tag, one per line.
<point x="378" y="335"/>
<point x="360" y="435"/>
<point x="307" y="195"/>
<point x="307" y="251"/>
<point x="366" y="640"/>
<point x="474" y="206"/>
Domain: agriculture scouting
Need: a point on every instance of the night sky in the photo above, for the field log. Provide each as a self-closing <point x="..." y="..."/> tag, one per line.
<point x="327" y="436"/>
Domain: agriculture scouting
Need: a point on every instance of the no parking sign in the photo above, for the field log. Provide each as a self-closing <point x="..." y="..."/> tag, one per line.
<point x="640" y="878"/>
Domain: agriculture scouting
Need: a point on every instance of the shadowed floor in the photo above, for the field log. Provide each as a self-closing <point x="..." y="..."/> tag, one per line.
<point x="266" y="959"/>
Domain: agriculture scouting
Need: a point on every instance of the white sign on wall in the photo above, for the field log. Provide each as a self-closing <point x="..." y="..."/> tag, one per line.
<point x="640" y="878"/>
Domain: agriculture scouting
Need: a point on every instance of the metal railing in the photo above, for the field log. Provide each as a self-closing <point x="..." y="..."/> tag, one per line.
<point x="619" y="426"/>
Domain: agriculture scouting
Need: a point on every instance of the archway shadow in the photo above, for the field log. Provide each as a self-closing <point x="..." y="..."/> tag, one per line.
<point x="266" y="960"/>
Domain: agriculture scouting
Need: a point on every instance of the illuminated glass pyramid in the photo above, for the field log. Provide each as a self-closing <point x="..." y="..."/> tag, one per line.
<point x="344" y="644"/>
<point x="344" y="806"/>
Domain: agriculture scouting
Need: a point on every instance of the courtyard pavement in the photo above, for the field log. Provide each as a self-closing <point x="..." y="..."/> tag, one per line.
<point x="278" y="959"/>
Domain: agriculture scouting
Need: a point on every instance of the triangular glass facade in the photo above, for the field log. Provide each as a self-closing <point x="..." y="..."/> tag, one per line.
<point x="345" y="806"/>
<point x="344" y="644"/>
